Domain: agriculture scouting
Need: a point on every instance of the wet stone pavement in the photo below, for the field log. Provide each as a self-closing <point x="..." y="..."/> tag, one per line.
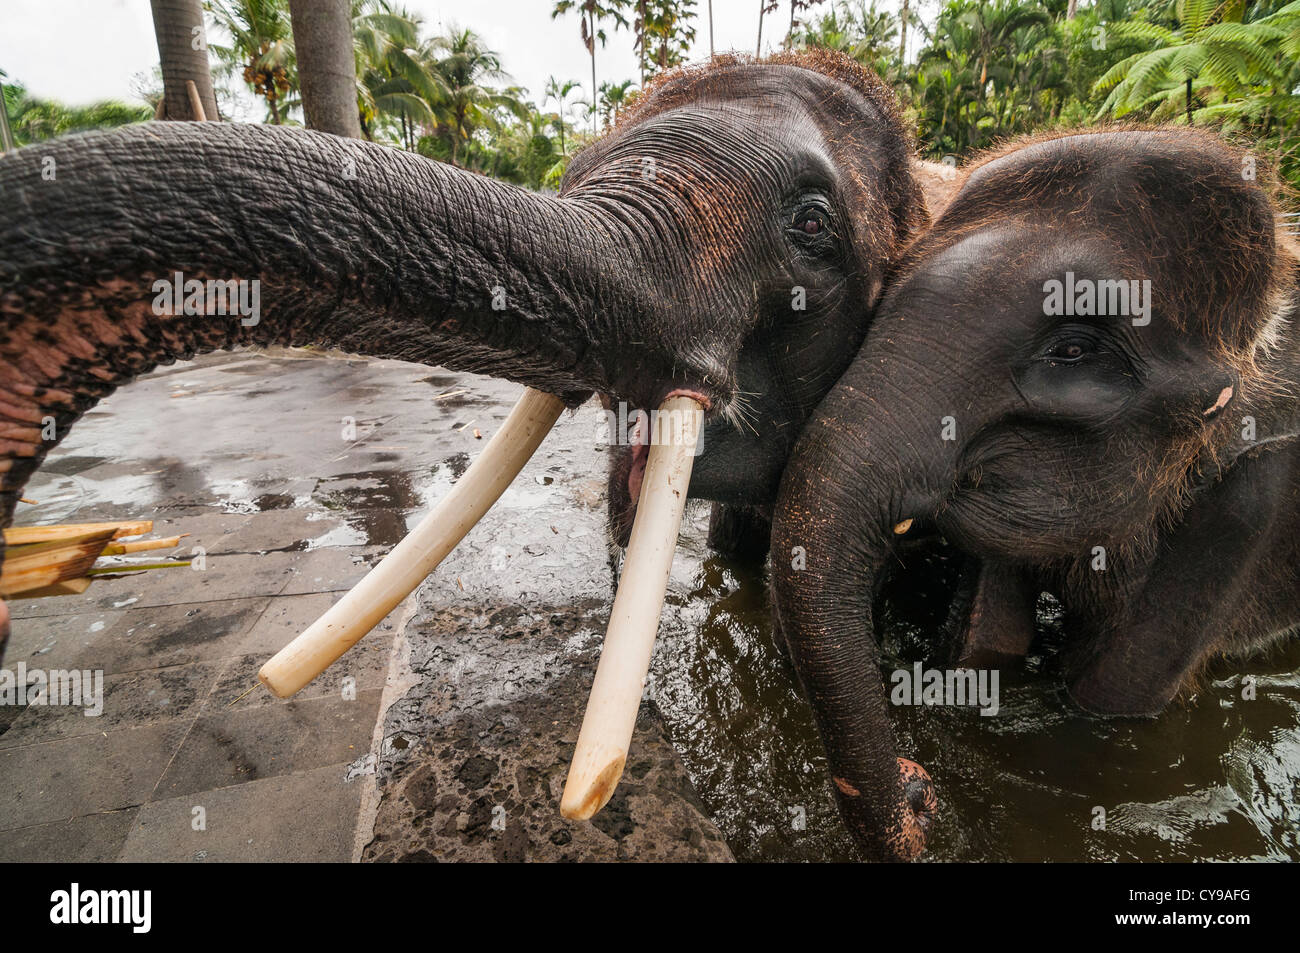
<point x="444" y="735"/>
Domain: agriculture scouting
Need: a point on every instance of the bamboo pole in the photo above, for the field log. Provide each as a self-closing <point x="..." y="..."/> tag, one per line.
<point x="68" y="587"/>
<point x="142" y="545"/>
<point x="43" y="564"/>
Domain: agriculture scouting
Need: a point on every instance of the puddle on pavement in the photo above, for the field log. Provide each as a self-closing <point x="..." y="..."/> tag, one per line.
<point x="372" y="503"/>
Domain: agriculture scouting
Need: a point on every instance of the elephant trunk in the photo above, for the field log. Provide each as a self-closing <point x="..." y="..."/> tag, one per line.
<point x="854" y="484"/>
<point x="125" y="250"/>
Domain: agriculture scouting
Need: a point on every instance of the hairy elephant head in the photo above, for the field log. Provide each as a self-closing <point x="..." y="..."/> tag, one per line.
<point x="774" y="230"/>
<point x="1049" y="372"/>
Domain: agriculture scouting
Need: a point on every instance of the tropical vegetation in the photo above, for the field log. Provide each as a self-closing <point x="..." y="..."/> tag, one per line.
<point x="968" y="73"/>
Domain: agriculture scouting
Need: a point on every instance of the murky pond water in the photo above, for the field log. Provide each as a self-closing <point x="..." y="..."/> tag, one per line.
<point x="1216" y="778"/>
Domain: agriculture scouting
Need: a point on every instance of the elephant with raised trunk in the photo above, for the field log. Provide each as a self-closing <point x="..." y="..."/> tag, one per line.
<point x="1084" y="380"/>
<point x="724" y="243"/>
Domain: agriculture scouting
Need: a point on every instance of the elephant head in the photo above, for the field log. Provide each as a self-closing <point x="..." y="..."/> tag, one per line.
<point x="825" y="203"/>
<point x="1060" y="363"/>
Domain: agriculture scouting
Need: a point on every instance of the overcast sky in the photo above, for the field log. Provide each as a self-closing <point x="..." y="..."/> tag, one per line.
<point x="79" y="51"/>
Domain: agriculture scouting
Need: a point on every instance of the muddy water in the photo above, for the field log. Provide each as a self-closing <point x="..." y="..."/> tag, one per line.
<point x="1216" y="778"/>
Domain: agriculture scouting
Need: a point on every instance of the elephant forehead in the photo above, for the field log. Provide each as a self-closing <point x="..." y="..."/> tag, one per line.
<point x="835" y="88"/>
<point x="1006" y="266"/>
<point x="759" y="110"/>
<point x="728" y="141"/>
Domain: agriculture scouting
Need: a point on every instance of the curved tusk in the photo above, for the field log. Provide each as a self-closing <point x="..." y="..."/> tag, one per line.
<point x="419" y="554"/>
<point x="634" y="620"/>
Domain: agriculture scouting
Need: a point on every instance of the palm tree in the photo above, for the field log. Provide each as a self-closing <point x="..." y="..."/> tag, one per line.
<point x="641" y="34"/>
<point x="593" y="12"/>
<point x="326" y="53"/>
<point x="902" y="34"/>
<point x="614" y="96"/>
<point x="669" y="28"/>
<point x="945" y="92"/>
<point x="764" y="8"/>
<point x="555" y="90"/>
<point x="397" y="75"/>
<point x="1210" y="42"/>
<point x="795" y="7"/>
<point x="261" y="46"/>
<point x="994" y="27"/>
<point x="469" y="103"/>
<point x="864" y="32"/>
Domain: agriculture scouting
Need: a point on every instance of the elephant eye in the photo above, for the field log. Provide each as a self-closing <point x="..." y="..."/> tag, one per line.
<point x="810" y="222"/>
<point x="1070" y="351"/>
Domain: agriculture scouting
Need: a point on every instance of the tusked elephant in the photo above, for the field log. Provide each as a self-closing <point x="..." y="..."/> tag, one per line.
<point x="726" y="241"/>
<point x="1084" y="378"/>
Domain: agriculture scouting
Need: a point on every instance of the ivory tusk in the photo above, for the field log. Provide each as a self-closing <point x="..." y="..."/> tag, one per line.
<point x="634" y="619"/>
<point x="419" y="554"/>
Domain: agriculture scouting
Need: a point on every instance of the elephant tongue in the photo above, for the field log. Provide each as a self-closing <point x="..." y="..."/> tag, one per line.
<point x="999" y="624"/>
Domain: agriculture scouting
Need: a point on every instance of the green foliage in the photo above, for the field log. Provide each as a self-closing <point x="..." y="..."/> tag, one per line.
<point x="260" y="50"/>
<point x="990" y="70"/>
<point x="35" y="120"/>
<point x="984" y="71"/>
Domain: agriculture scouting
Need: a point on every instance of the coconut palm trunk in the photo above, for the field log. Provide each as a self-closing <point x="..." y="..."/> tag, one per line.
<point x="591" y="44"/>
<point x="902" y="35"/>
<point x="183" y="55"/>
<point x="322" y="38"/>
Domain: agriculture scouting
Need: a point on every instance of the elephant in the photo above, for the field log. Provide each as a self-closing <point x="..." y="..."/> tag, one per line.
<point x="725" y="241"/>
<point x="1082" y="381"/>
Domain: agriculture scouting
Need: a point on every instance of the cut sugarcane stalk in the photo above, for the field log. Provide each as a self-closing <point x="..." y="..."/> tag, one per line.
<point x="69" y="587"/>
<point x="127" y="568"/>
<point x="397" y="575"/>
<point x="624" y="663"/>
<point x="21" y="535"/>
<point x="43" y="564"/>
<point x="142" y="545"/>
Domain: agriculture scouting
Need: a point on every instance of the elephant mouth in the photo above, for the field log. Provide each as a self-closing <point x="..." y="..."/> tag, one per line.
<point x="636" y="473"/>
<point x="628" y="468"/>
<point x="984" y="611"/>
